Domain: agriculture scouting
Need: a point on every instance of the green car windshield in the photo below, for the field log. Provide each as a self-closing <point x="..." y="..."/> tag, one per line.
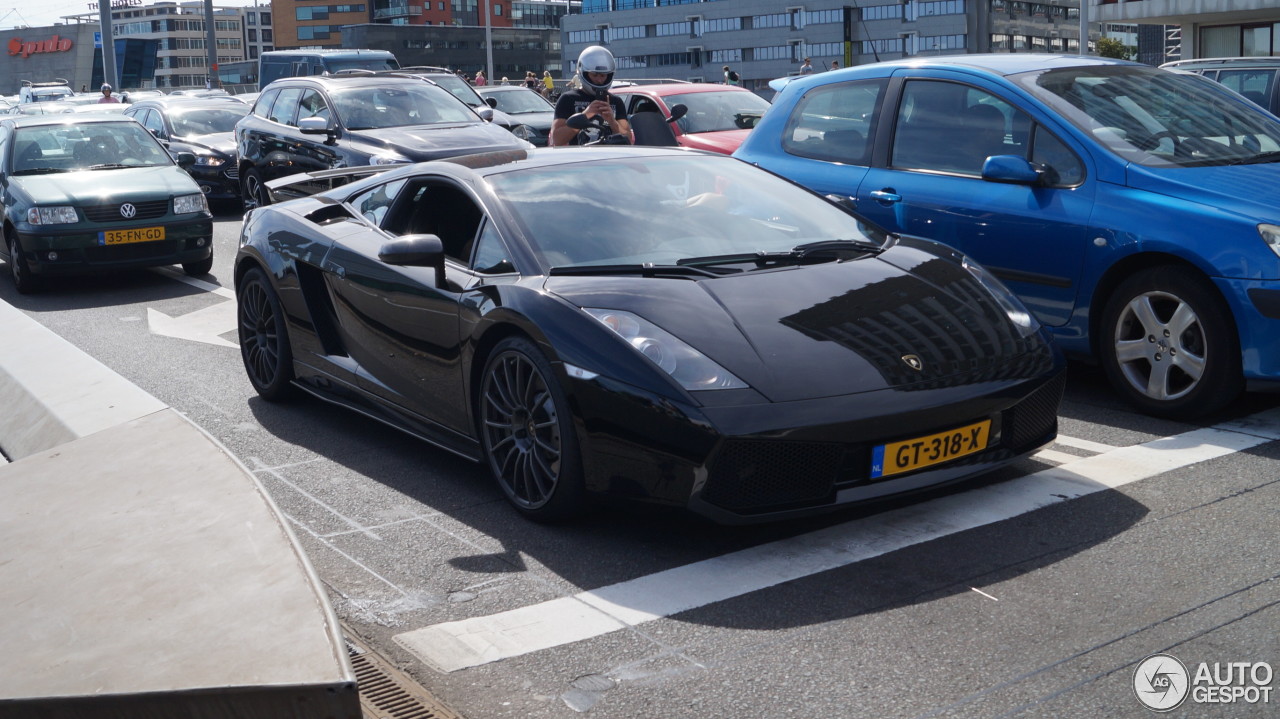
<point x="1157" y="117"/>
<point x="87" y="146"/>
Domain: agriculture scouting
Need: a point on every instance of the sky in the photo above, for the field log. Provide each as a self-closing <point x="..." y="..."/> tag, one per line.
<point x="39" y="13"/>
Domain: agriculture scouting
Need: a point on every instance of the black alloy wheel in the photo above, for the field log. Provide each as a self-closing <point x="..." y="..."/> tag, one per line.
<point x="264" y="337"/>
<point x="19" y="270"/>
<point x="254" y="191"/>
<point x="528" y="434"/>
<point x="1169" y="344"/>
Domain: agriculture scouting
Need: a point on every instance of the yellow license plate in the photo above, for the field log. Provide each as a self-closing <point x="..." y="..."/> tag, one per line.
<point x="125" y="237"/>
<point x="910" y="454"/>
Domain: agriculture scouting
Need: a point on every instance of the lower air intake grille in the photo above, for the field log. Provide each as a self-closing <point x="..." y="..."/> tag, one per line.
<point x="753" y="474"/>
<point x="1030" y="420"/>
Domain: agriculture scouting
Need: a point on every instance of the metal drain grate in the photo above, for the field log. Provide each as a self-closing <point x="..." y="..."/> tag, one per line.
<point x="387" y="692"/>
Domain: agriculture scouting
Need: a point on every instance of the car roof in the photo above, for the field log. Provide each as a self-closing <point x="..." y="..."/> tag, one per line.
<point x="996" y="63"/>
<point x="679" y="88"/>
<point x="390" y="77"/>
<point x="1224" y="62"/>
<point x="492" y="163"/>
<point x="63" y="118"/>
<point x="183" y="102"/>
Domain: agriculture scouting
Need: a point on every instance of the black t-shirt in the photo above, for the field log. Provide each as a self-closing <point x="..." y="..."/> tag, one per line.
<point x="575" y="101"/>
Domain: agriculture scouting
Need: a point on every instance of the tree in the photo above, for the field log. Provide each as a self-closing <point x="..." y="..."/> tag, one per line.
<point x="1111" y="47"/>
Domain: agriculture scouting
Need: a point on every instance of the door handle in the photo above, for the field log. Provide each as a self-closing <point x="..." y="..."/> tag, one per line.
<point x="886" y="196"/>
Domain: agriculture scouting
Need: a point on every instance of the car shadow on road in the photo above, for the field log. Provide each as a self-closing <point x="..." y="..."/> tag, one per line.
<point x="615" y="544"/>
<point x="118" y="287"/>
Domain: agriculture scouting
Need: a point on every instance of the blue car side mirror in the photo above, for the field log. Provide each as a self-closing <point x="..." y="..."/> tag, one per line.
<point x="1011" y="169"/>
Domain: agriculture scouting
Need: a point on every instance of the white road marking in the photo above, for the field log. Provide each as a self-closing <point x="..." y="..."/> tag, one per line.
<point x="183" y="277"/>
<point x="1083" y="444"/>
<point x="988" y="596"/>
<point x="451" y="646"/>
<point x="1053" y="455"/>
<point x="202" y="325"/>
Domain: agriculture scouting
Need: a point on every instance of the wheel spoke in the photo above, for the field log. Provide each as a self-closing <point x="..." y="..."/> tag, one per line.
<point x="1145" y="313"/>
<point x="1192" y="365"/>
<point x="1132" y="350"/>
<point x="1183" y="319"/>
<point x="1158" y="381"/>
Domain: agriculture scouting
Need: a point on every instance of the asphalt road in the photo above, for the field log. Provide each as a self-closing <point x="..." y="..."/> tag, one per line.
<point x="1035" y="592"/>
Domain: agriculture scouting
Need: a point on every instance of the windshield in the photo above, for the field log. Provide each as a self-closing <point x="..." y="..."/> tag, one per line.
<point x="520" y="102"/>
<point x="86" y="146"/>
<point x="665" y="209"/>
<point x="458" y="88"/>
<point x="717" y="111"/>
<point x="371" y="108"/>
<point x="1157" y="117"/>
<point x="207" y="121"/>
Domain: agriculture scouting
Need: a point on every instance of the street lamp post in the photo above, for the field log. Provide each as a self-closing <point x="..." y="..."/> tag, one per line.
<point x="488" y="40"/>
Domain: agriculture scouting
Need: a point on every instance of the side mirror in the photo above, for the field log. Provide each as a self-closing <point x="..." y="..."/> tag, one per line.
<point x="1010" y="169"/>
<point x="415" y="251"/>
<point x="578" y="121"/>
<point x="186" y="159"/>
<point x="677" y="111"/>
<point x="316" y="126"/>
<point x="485" y="113"/>
<point x="491" y="101"/>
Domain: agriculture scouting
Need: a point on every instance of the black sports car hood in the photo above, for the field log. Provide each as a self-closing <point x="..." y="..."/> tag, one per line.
<point x="429" y="142"/>
<point x="907" y="320"/>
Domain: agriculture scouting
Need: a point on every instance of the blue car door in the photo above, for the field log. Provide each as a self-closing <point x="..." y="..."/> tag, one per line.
<point x="926" y="180"/>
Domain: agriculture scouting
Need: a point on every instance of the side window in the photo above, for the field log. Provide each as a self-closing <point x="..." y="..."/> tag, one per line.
<point x="491" y="255"/>
<point x="1061" y="166"/>
<point x="833" y="123"/>
<point x="374" y="204"/>
<point x="262" y="108"/>
<point x="1253" y="84"/>
<point x="285" y="107"/>
<point x="440" y="208"/>
<point x="153" y="122"/>
<point x="312" y="104"/>
<point x="954" y="128"/>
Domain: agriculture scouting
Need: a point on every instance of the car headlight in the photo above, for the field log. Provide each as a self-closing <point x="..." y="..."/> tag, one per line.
<point x="524" y="132"/>
<point x="388" y="160"/>
<point x="184" y="204"/>
<point x="1012" y="306"/>
<point x="52" y="215"/>
<point x="209" y="160"/>
<point x="686" y="365"/>
<point x="1270" y="235"/>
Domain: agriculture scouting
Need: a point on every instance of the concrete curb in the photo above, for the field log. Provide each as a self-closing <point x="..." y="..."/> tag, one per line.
<point x="143" y="569"/>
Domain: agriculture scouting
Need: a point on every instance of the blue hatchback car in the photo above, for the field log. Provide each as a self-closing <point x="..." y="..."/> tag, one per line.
<point x="1135" y="211"/>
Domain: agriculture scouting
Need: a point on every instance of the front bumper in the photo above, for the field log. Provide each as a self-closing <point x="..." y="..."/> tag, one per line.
<point x="1256" y="307"/>
<point x="218" y="183"/>
<point x="765" y="462"/>
<point x="56" y="251"/>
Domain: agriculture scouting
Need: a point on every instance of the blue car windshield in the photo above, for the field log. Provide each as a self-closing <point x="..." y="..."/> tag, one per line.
<point x="662" y="210"/>
<point x="1157" y="117"/>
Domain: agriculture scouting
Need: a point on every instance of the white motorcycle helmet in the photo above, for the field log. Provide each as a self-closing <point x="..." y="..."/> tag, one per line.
<point x="596" y="59"/>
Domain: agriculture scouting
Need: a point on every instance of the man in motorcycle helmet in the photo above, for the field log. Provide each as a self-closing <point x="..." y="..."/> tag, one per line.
<point x="595" y="72"/>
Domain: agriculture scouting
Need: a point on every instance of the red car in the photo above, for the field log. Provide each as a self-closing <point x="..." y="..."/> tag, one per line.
<point x="718" y="118"/>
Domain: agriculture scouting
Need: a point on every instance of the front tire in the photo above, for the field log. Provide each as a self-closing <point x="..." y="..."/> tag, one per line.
<point x="252" y="190"/>
<point x="19" y="270"/>
<point x="264" y="337"/>
<point x="528" y="434"/>
<point x="199" y="268"/>
<point x="1169" y="344"/>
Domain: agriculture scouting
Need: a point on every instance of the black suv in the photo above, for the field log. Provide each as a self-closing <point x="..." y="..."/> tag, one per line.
<point x="304" y="124"/>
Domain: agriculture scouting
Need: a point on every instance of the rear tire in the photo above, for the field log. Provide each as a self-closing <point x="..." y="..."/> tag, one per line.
<point x="1169" y="344"/>
<point x="264" y="337"/>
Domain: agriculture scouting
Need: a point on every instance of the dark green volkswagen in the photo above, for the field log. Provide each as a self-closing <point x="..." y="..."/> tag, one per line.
<point x="83" y="194"/>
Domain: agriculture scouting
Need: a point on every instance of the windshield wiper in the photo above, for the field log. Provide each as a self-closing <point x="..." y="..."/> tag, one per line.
<point x="644" y="270"/>
<point x="107" y="166"/>
<point x="1261" y="157"/>
<point x="40" y="171"/>
<point x="799" y="253"/>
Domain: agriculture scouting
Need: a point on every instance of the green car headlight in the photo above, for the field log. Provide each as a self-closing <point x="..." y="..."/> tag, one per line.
<point x="60" y="215"/>
<point x="185" y="204"/>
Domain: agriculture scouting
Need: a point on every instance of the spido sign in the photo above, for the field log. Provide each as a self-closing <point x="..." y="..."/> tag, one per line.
<point x="17" y="46"/>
